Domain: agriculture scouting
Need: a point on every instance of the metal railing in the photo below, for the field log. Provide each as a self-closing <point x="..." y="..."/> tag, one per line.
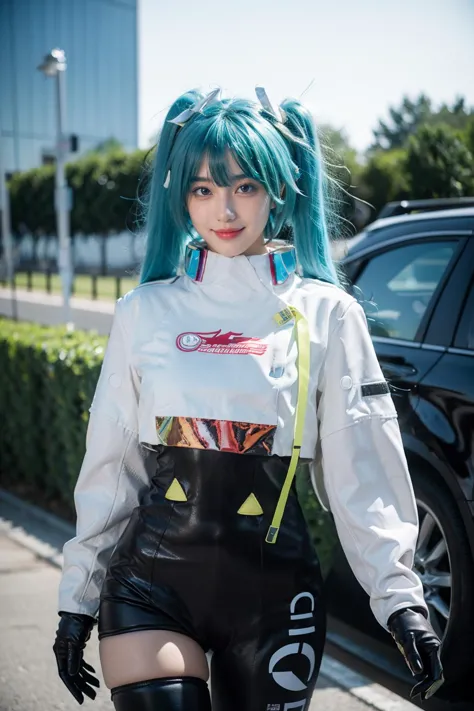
<point x="94" y="280"/>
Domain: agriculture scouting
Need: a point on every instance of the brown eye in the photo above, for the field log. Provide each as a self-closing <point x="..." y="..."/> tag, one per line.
<point x="247" y="188"/>
<point x="201" y="192"/>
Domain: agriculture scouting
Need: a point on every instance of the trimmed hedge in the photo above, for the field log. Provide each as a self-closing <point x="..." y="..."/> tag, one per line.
<point x="104" y="190"/>
<point x="47" y="380"/>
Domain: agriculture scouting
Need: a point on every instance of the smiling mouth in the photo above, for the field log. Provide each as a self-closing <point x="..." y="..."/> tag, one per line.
<point x="228" y="234"/>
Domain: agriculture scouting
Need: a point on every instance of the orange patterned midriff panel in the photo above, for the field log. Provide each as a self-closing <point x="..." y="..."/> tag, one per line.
<point x="221" y="435"/>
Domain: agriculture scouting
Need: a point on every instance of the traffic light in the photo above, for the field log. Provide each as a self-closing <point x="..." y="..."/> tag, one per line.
<point x="73" y="143"/>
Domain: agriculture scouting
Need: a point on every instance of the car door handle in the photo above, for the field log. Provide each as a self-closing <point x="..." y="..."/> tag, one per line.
<point x="393" y="360"/>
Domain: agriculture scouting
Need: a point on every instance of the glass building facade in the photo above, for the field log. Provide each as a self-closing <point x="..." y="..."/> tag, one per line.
<point x="100" y="41"/>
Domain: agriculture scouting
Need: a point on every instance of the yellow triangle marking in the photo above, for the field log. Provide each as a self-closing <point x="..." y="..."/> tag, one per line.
<point x="175" y="492"/>
<point x="251" y="507"/>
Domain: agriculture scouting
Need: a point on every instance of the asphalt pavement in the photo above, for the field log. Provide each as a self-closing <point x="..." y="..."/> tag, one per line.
<point x="47" y="309"/>
<point x="30" y="562"/>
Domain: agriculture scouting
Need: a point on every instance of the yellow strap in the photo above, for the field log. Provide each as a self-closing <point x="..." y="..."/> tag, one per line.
<point x="303" y="343"/>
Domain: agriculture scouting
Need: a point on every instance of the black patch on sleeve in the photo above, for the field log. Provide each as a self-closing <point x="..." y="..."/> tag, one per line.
<point x="375" y="389"/>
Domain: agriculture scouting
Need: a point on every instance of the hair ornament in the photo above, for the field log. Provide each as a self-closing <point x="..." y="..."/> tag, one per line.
<point x="277" y="113"/>
<point x="185" y="115"/>
<point x="198" y="108"/>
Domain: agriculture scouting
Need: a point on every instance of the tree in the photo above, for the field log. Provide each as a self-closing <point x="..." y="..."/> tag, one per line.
<point x="404" y="122"/>
<point x="456" y="116"/>
<point x="32" y="204"/>
<point x="384" y="178"/>
<point x="340" y="157"/>
<point x="439" y="164"/>
<point x="467" y="135"/>
<point x="109" y="145"/>
<point x="104" y="191"/>
<point x="343" y="169"/>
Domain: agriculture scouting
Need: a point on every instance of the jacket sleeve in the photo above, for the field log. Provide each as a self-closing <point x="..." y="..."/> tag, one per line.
<point x="114" y="473"/>
<point x="365" y="470"/>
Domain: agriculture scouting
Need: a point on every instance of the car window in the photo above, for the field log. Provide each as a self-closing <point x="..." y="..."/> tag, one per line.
<point x="397" y="286"/>
<point x="465" y="333"/>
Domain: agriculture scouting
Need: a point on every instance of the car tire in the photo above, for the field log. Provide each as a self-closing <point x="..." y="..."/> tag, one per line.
<point x="445" y="521"/>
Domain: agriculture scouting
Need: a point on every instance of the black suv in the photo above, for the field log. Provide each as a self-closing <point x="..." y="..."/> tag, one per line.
<point x="414" y="275"/>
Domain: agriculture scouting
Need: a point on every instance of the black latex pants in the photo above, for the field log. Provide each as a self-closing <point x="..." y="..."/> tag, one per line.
<point x="200" y="568"/>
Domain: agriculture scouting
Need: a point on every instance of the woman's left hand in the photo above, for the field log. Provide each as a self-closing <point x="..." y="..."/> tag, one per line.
<point x="419" y="644"/>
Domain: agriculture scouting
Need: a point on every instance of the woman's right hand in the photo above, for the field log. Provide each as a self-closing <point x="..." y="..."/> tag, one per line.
<point x="420" y="645"/>
<point x="73" y="632"/>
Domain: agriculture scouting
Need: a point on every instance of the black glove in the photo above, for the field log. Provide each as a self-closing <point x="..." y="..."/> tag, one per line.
<point x="417" y="641"/>
<point x="73" y="633"/>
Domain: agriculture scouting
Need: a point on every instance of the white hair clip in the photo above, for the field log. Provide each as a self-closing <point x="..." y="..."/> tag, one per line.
<point x="198" y="108"/>
<point x="262" y="96"/>
<point x="166" y="184"/>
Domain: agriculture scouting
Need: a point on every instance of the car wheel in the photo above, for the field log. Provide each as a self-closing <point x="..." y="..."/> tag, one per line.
<point x="444" y="562"/>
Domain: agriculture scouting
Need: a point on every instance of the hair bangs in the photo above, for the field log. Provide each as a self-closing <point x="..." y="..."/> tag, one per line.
<point x="240" y="131"/>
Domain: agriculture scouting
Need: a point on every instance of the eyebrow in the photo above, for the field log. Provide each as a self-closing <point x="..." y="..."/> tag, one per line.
<point x="234" y="178"/>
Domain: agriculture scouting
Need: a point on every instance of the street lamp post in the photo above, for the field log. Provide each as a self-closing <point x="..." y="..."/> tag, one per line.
<point x="54" y="65"/>
<point x="6" y="231"/>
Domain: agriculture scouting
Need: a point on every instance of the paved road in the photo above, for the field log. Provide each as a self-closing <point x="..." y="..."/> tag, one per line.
<point x="45" y="308"/>
<point x="28" y="679"/>
<point x="86" y="314"/>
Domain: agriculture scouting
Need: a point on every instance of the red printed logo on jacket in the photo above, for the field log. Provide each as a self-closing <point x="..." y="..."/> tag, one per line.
<point x="229" y="343"/>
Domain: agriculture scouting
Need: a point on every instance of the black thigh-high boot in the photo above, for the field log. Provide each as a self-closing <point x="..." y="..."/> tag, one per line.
<point x="186" y="693"/>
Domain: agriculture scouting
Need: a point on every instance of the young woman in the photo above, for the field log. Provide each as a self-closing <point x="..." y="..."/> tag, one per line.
<point x="237" y="356"/>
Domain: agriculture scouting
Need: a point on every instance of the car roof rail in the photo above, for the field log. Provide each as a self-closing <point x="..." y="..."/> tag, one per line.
<point x="407" y="207"/>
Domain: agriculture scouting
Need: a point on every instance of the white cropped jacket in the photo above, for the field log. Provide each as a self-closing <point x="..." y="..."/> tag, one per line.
<point x="208" y="348"/>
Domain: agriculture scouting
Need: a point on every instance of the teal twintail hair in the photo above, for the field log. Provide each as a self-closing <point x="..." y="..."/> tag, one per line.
<point x="285" y="158"/>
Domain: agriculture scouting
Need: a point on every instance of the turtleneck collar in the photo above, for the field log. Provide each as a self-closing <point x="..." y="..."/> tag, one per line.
<point x="275" y="268"/>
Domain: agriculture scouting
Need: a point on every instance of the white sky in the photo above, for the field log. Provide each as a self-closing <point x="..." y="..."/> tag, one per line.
<point x="361" y="55"/>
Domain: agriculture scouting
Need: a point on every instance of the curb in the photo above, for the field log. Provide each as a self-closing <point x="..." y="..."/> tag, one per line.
<point x="373" y="695"/>
<point x="42" y="297"/>
<point x="41" y="549"/>
<point x="362" y="688"/>
<point x="40" y="514"/>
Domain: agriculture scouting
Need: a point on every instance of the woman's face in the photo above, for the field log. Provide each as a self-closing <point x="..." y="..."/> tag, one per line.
<point x="231" y="220"/>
